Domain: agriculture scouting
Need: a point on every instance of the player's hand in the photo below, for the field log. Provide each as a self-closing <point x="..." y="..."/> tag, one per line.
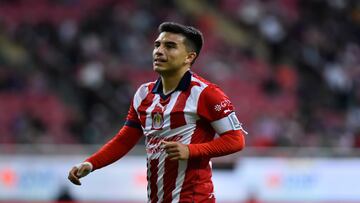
<point x="176" y="150"/>
<point x="79" y="171"/>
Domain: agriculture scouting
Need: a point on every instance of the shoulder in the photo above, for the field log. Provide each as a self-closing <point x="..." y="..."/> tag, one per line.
<point x="142" y="93"/>
<point x="204" y="85"/>
<point x="209" y="89"/>
<point x="144" y="89"/>
<point x="147" y="86"/>
<point x="214" y="104"/>
<point x="202" y="82"/>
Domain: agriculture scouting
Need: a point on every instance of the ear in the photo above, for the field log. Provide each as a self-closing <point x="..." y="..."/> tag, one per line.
<point x="190" y="57"/>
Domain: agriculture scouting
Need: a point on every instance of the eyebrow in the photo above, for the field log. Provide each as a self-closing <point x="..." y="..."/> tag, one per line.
<point x="166" y="42"/>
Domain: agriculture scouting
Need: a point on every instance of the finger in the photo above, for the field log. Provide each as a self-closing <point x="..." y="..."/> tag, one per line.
<point x="73" y="171"/>
<point x="166" y="144"/>
<point x="72" y="176"/>
<point x="75" y="180"/>
<point x="172" y="155"/>
<point x="172" y="150"/>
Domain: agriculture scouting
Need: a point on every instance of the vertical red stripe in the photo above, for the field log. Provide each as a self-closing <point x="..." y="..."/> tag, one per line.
<point x="177" y="116"/>
<point x="153" y="180"/>
<point x="170" y="174"/>
<point x="146" y="103"/>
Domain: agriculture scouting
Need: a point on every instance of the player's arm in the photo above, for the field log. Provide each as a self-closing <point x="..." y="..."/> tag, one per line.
<point x="215" y="107"/>
<point x="228" y="143"/>
<point x="113" y="150"/>
<point x="116" y="148"/>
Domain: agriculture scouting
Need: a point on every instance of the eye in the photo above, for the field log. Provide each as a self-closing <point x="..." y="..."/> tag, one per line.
<point x="170" y="45"/>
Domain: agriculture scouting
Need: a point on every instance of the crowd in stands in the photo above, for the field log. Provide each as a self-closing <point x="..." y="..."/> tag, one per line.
<point x="69" y="68"/>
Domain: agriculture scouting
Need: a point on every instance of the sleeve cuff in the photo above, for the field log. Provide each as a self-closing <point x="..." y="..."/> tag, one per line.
<point x="133" y="124"/>
<point x="86" y="163"/>
<point x="193" y="151"/>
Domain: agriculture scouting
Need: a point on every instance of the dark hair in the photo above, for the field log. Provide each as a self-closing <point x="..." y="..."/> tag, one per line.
<point x="193" y="37"/>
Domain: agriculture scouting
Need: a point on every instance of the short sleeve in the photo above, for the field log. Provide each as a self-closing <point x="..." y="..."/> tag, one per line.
<point x="216" y="108"/>
<point x="214" y="104"/>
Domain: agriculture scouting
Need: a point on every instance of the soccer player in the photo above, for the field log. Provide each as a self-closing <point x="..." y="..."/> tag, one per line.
<point x="179" y="115"/>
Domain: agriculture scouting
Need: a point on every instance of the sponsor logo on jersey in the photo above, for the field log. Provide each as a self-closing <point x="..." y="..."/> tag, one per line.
<point x="223" y="104"/>
<point x="154" y="142"/>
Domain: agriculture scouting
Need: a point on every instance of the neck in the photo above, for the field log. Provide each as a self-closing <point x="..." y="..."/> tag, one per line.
<point x="171" y="81"/>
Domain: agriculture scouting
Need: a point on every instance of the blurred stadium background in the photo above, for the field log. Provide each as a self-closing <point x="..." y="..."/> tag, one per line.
<point x="69" y="68"/>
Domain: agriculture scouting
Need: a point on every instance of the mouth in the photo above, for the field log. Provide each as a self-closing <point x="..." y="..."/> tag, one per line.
<point x="158" y="61"/>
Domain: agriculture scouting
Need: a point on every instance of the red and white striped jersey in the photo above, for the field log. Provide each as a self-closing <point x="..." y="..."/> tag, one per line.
<point x="193" y="113"/>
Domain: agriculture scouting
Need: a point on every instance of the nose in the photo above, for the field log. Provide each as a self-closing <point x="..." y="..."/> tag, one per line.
<point x="158" y="51"/>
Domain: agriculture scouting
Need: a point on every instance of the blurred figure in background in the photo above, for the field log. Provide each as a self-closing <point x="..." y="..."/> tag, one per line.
<point x="65" y="196"/>
<point x="179" y="115"/>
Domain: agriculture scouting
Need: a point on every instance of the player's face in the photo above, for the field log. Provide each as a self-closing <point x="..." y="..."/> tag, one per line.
<point x="170" y="54"/>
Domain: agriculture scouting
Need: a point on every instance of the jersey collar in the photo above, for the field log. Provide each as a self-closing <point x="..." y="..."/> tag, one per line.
<point x="182" y="86"/>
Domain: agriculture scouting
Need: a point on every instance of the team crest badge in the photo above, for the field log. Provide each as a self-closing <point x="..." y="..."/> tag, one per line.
<point x="157" y="121"/>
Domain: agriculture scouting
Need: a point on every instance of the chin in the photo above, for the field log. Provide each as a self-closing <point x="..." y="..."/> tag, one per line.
<point x="159" y="69"/>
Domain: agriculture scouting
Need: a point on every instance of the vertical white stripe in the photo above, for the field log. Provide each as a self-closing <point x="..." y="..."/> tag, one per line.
<point x="190" y="110"/>
<point x="173" y="98"/>
<point x="160" y="180"/>
<point x="148" y="120"/>
<point x="188" y="133"/>
<point x="179" y="181"/>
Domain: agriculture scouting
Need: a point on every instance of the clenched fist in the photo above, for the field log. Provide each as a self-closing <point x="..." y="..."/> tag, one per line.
<point x="79" y="171"/>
